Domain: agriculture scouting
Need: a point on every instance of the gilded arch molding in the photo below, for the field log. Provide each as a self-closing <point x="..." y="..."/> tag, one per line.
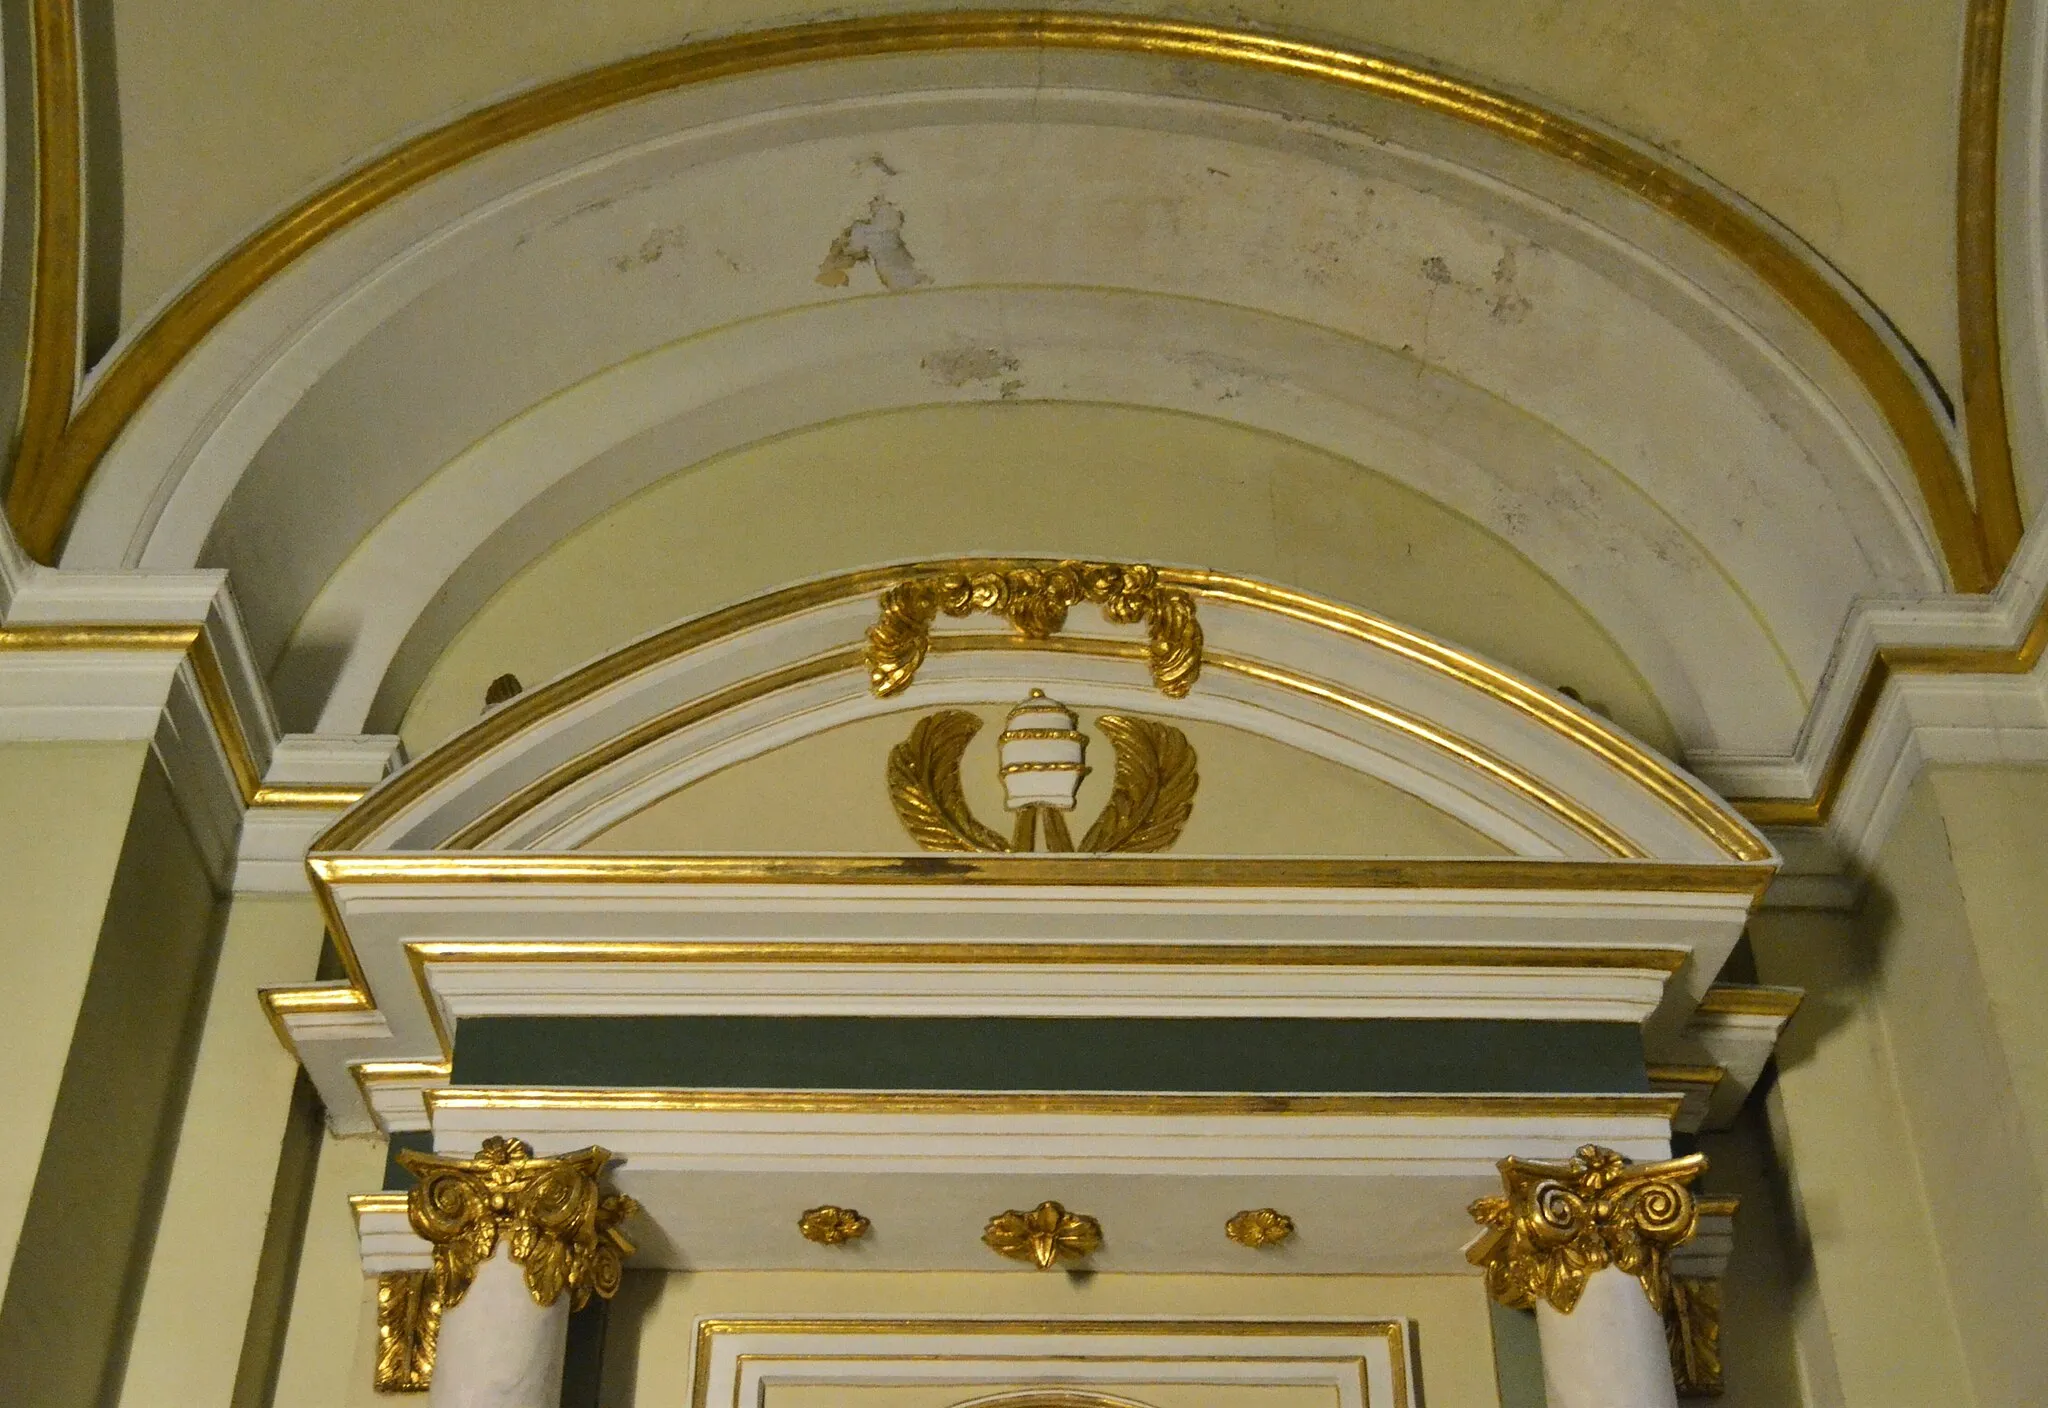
<point x="55" y="468"/>
<point x="789" y="654"/>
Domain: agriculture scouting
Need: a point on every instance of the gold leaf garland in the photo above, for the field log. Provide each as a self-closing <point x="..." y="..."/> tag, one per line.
<point x="1034" y="598"/>
<point x="556" y="1223"/>
<point x="1560" y="1223"/>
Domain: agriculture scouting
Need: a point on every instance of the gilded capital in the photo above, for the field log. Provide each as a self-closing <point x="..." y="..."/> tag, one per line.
<point x="555" y="1221"/>
<point x="1558" y="1223"/>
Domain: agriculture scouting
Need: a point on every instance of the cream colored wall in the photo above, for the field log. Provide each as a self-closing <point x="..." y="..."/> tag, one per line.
<point x="203" y="1268"/>
<point x="1959" y="1095"/>
<point x="648" y="1344"/>
<point x="992" y="478"/>
<point x="1837" y="116"/>
<point x="1876" y="1322"/>
<point x="1762" y="1287"/>
<point x="1910" y="1100"/>
<point x="1996" y="820"/>
<point x="330" y="1346"/>
<point x="1257" y="797"/>
<point x="101" y="1171"/>
<point x="64" y="810"/>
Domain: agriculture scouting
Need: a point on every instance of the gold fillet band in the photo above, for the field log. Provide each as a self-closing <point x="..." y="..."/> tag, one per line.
<point x="46" y="487"/>
<point x="1392" y="1332"/>
<point x="1703" y="1077"/>
<point x="1657" y="1105"/>
<point x="1173" y="955"/>
<point x="1977" y="317"/>
<point x="1698" y="808"/>
<point x="1047" y="868"/>
<point x="1740" y="1001"/>
<point x="412" y="1074"/>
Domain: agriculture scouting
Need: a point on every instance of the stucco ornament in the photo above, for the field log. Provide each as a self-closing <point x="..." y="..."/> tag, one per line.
<point x="1042" y="761"/>
<point x="1560" y="1222"/>
<point x="1034" y="598"/>
<point x="556" y="1222"/>
<point x="1046" y="1234"/>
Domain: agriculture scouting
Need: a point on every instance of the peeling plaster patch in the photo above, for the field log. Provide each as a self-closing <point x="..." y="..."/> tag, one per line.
<point x="1435" y="270"/>
<point x="657" y="243"/>
<point x="877" y="241"/>
<point x="877" y="162"/>
<point x="1507" y="303"/>
<point x="966" y="364"/>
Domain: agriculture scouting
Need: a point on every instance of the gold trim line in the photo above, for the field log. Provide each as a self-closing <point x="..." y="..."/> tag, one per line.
<point x="1654" y="1105"/>
<point x="838" y="954"/>
<point x="1043" y="868"/>
<point x="1738" y="1000"/>
<point x="56" y="295"/>
<point x="1977" y="313"/>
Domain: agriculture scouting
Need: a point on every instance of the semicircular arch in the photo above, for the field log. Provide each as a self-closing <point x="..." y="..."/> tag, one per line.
<point x="287" y="417"/>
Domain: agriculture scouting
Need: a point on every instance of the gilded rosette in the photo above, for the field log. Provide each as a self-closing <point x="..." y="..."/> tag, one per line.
<point x="1560" y="1223"/>
<point x="1259" y="1227"/>
<point x="1046" y="1234"/>
<point x="555" y="1221"/>
<point x="829" y="1226"/>
<point x="1034" y="598"/>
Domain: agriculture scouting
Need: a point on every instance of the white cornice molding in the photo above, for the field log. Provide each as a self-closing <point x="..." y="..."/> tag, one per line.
<point x="1998" y="621"/>
<point x="1922" y="717"/>
<point x="129" y="656"/>
<point x="271" y="855"/>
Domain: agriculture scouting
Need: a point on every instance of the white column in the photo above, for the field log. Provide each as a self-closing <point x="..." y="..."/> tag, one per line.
<point x="498" y="1348"/>
<point x="1610" y="1352"/>
<point x="1557" y="1237"/>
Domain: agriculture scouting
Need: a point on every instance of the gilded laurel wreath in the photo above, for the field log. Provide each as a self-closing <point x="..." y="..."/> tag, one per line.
<point x="1560" y="1223"/>
<point x="1034" y="598"/>
<point x="1149" y="804"/>
<point x="556" y="1223"/>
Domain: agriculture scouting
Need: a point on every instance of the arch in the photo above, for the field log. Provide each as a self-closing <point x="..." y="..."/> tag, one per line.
<point x="1523" y="765"/>
<point x="293" y="365"/>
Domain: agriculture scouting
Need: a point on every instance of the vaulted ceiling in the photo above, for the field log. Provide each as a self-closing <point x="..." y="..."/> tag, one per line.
<point x="1631" y="344"/>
